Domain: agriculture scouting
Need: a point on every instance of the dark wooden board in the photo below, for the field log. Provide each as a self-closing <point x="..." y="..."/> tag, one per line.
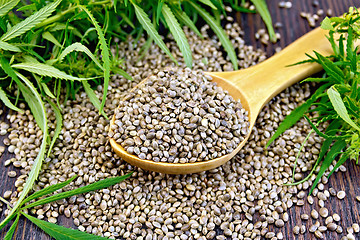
<point x="293" y="27"/>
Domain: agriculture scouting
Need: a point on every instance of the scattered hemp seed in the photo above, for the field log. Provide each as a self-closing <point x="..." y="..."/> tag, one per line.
<point x="278" y="25"/>
<point x="7" y="194"/>
<point x="310" y="199"/>
<point x="315" y="3"/>
<point x="329" y="12"/>
<point x="318" y="234"/>
<point x="7" y="163"/>
<point x="314" y="214"/>
<point x="320" y="12"/>
<point x="356" y="227"/>
<point x="328" y="220"/>
<point x="288" y="4"/>
<point x="332" y="192"/>
<point x="350" y="236"/>
<point x="322" y="228"/>
<point x="279" y="223"/>
<point x="342" y="168"/>
<point x="331" y="226"/>
<point x="304" y="217"/>
<point x="336" y="217"/>
<point x="300" y="203"/>
<point x="341" y="195"/>
<point x="321" y="196"/>
<point x="313" y="228"/>
<point x="339" y="229"/>
<point x="2" y="150"/>
<point x="263" y="36"/>
<point x="12" y="174"/>
<point x="285" y="4"/>
<point x="296" y="230"/>
<point x="350" y="230"/>
<point x="286" y="217"/>
<point x="302" y="229"/>
<point x="270" y="235"/>
<point x="324" y="212"/>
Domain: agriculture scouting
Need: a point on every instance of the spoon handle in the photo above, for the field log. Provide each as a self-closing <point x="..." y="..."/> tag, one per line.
<point x="260" y="83"/>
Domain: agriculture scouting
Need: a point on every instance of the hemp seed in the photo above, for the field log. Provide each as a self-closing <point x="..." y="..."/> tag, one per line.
<point x="318" y="234"/>
<point x="296" y="230"/>
<point x="314" y="214"/>
<point x="336" y="217"/>
<point x="331" y="226"/>
<point x="341" y="195"/>
<point x="324" y="212"/>
<point x="12" y="174"/>
<point x="356" y="227"/>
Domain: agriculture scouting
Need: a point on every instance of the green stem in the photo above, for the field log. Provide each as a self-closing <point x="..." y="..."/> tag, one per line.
<point x="6" y="202"/>
<point x="100" y="3"/>
<point x="55" y="18"/>
<point x="305" y="179"/>
<point x="297" y="157"/>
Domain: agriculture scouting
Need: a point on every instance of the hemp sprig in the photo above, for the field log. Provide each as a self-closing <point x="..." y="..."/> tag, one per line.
<point x="337" y="101"/>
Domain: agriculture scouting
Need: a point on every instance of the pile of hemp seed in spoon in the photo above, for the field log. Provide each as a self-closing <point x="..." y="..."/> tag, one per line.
<point x="179" y="116"/>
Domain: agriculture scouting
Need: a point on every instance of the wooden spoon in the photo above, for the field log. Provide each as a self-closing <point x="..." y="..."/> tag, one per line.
<point x="254" y="86"/>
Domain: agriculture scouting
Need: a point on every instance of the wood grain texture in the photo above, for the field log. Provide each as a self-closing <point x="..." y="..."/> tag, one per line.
<point x="293" y="27"/>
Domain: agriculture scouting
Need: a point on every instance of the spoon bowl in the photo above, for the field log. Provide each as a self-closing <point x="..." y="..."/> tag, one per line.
<point x="254" y="86"/>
